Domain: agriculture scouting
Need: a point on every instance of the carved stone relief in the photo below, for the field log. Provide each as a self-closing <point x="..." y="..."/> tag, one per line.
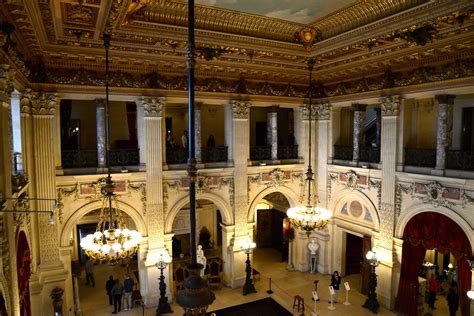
<point x="153" y="106"/>
<point x="323" y="111"/>
<point x="44" y="104"/>
<point x="62" y="192"/>
<point x="142" y="188"/>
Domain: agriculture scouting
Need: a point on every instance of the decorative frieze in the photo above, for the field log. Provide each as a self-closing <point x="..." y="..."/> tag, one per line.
<point x="390" y="105"/>
<point x="305" y="110"/>
<point x="240" y="109"/>
<point x="153" y="106"/>
<point x="139" y="187"/>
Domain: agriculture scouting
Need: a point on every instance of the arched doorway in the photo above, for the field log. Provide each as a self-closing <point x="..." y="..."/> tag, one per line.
<point x="209" y="218"/>
<point x="23" y="260"/>
<point x="427" y="231"/>
<point x="272" y="228"/>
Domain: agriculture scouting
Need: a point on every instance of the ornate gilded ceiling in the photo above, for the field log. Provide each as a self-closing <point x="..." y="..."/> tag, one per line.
<point x="59" y="42"/>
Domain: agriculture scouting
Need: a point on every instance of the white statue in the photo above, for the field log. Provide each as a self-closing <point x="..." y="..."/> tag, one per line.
<point x="313" y="247"/>
<point x="201" y="258"/>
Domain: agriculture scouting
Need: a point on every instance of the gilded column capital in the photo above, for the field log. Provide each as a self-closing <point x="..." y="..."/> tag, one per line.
<point x="6" y="82"/>
<point x="26" y="101"/>
<point x="445" y="99"/>
<point x="240" y="109"/>
<point x="43" y="103"/>
<point x="323" y="112"/>
<point x="153" y="106"/>
<point x="305" y="111"/>
<point x="390" y="105"/>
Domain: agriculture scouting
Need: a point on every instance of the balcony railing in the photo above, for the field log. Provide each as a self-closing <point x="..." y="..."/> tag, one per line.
<point x="420" y="157"/>
<point x="214" y="154"/>
<point x="460" y="160"/>
<point x="260" y="153"/>
<point x="287" y="152"/>
<point x="370" y="154"/>
<point x="88" y="158"/>
<point x="342" y="152"/>
<point x="176" y="155"/>
<point x="79" y="158"/>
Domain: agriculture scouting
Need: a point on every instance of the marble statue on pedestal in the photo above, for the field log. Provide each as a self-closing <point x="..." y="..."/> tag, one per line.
<point x="201" y="259"/>
<point x="313" y="247"/>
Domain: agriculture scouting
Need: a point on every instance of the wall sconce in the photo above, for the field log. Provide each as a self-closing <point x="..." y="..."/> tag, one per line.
<point x="21" y="200"/>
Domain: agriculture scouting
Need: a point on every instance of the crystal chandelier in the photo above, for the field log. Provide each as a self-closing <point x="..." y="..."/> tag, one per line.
<point x="112" y="241"/>
<point x="307" y="217"/>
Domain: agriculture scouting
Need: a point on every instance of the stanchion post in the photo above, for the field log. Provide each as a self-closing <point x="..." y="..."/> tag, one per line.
<point x="270" y="286"/>
<point x="348" y="288"/>
<point x="331" y="291"/>
<point x="315" y="299"/>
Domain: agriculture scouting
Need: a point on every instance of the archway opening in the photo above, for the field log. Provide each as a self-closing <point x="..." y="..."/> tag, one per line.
<point x="208" y="236"/>
<point x="91" y="279"/>
<point x="426" y="236"/>
<point x="272" y="229"/>
<point x="23" y="260"/>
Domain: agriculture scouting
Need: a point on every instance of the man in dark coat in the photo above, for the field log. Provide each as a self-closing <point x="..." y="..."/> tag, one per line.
<point x="108" y="287"/>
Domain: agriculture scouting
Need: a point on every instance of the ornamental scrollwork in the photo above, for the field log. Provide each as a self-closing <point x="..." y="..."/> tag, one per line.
<point x="323" y="112"/>
<point x="466" y="199"/>
<point x="352" y="178"/>
<point x="139" y="187"/>
<point x="435" y="196"/>
<point x="62" y="192"/>
<point x="202" y="184"/>
<point x="44" y="104"/>
<point x="277" y="177"/>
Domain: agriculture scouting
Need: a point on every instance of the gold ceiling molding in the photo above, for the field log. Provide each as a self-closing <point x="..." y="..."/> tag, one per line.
<point x="361" y="13"/>
<point x="219" y="20"/>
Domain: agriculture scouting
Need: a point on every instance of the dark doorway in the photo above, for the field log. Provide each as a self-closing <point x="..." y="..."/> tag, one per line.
<point x="365" y="266"/>
<point x="264" y="228"/>
<point x="353" y="253"/>
<point x="219" y="228"/>
<point x="82" y="231"/>
<point x="261" y="134"/>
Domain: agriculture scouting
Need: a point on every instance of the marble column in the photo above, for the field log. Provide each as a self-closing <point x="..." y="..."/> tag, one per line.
<point x="298" y="130"/>
<point x="240" y="136"/>
<point x="358" y="131"/>
<point x="378" y="123"/>
<point x="228" y="133"/>
<point x="272" y="133"/>
<point x="154" y="212"/>
<point x="197" y="132"/>
<point x="388" y="152"/>
<point x="445" y="106"/>
<point x="100" y="125"/>
<point x="334" y="131"/>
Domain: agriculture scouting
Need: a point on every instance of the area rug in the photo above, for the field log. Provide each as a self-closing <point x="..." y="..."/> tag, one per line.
<point x="266" y="306"/>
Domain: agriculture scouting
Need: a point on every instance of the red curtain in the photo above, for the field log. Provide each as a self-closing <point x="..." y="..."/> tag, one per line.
<point x="412" y="258"/>
<point x="23" y="270"/>
<point x="431" y="230"/>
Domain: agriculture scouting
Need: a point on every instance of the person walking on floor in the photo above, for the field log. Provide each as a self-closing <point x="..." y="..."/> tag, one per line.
<point x="433" y="287"/>
<point x="335" y="282"/>
<point x="117" y="291"/>
<point x="127" y="289"/>
<point x="453" y="300"/>
<point x="90" y="273"/>
<point x="108" y="287"/>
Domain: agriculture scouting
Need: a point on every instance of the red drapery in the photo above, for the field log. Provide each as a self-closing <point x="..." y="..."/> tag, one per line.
<point x="23" y="270"/>
<point x="431" y="230"/>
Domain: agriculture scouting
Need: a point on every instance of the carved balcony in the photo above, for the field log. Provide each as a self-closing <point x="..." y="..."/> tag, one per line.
<point x="342" y="152"/>
<point x="214" y="154"/>
<point x="460" y="160"/>
<point x="176" y="155"/>
<point x="260" y="153"/>
<point x="82" y="158"/>
<point x="369" y="154"/>
<point x="287" y="152"/>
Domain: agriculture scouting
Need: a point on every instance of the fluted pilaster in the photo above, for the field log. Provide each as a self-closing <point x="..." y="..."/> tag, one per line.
<point x="322" y="153"/>
<point x="153" y="111"/>
<point x="43" y="107"/>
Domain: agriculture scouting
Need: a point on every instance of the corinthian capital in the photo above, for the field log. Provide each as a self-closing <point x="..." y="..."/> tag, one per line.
<point x="153" y="106"/>
<point x="43" y="103"/>
<point x="6" y="82"/>
<point x="240" y="109"/>
<point x="390" y="105"/>
<point x="305" y="111"/>
<point x="26" y="101"/>
<point x="323" y="112"/>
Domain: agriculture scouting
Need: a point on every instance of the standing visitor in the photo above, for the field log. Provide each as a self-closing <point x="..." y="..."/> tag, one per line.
<point x="433" y="287"/>
<point x="128" y="289"/>
<point x="117" y="290"/>
<point x="184" y="139"/>
<point x="335" y="282"/>
<point x="90" y="273"/>
<point x="453" y="300"/>
<point x="108" y="287"/>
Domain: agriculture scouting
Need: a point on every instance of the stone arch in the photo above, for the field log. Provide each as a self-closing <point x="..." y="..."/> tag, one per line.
<point x="346" y="195"/>
<point x="84" y="209"/>
<point x="407" y="215"/>
<point x="290" y="195"/>
<point x="223" y="206"/>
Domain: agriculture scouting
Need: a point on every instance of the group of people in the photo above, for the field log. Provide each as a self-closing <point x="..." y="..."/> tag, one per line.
<point x="452" y="297"/>
<point x="115" y="289"/>
<point x="170" y="142"/>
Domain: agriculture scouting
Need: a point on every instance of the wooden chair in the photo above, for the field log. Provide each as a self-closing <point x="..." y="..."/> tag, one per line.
<point x="298" y="303"/>
<point x="215" y="269"/>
